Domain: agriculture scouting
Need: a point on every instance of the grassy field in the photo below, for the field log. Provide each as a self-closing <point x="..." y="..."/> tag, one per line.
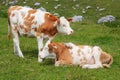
<point x="87" y="32"/>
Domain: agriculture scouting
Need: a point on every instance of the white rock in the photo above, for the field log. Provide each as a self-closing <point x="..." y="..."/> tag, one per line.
<point x="56" y="14"/>
<point x="13" y="2"/>
<point x="77" y="18"/>
<point x="88" y="7"/>
<point x="24" y="2"/>
<point x="56" y="0"/>
<point x="77" y="5"/>
<point x="101" y="9"/>
<point x="58" y="5"/>
<point x="108" y="18"/>
<point x="83" y="11"/>
<point x="46" y="2"/>
<point x="73" y="7"/>
<point x="37" y="4"/>
<point x="42" y="9"/>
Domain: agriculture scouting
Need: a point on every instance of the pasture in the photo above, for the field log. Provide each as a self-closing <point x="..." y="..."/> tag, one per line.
<point x="86" y="32"/>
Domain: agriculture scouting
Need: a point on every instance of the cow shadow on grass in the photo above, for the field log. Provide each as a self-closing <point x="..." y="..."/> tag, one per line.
<point x="47" y="62"/>
<point x="34" y="54"/>
<point x="30" y="53"/>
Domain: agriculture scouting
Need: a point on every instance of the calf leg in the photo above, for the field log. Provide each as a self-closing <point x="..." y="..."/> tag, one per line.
<point x="91" y="66"/>
<point x="45" y="51"/>
<point x="40" y="46"/>
<point x="61" y="62"/>
<point x="96" y="55"/>
<point x="17" y="49"/>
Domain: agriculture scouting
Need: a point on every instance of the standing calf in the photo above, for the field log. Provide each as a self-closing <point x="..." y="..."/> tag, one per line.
<point x="84" y="56"/>
<point x="30" y="22"/>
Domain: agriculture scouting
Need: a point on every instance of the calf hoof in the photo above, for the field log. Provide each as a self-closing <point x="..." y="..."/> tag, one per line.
<point x="40" y="60"/>
<point x="19" y="55"/>
<point x="85" y="66"/>
<point x="57" y="63"/>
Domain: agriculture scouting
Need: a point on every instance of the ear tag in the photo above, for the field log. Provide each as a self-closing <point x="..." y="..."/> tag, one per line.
<point x="55" y="47"/>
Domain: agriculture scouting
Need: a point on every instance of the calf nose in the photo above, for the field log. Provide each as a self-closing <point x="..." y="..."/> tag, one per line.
<point x="71" y="32"/>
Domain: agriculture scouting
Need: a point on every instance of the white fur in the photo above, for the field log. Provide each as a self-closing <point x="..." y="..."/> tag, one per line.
<point x="74" y="52"/>
<point x="91" y="54"/>
<point x="17" y="20"/>
<point x="64" y="26"/>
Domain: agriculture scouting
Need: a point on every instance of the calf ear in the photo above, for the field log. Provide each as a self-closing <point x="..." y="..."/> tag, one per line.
<point x="69" y="47"/>
<point x="53" y="18"/>
<point x="69" y="19"/>
<point x="57" y="23"/>
<point x="54" y="47"/>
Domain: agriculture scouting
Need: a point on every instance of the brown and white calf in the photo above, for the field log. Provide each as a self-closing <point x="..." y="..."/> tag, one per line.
<point x="84" y="56"/>
<point x="25" y="21"/>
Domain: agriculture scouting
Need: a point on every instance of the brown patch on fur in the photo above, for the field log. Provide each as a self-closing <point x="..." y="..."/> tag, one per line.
<point x="83" y="61"/>
<point x="62" y="52"/>
<point x="35" y="22"/>
<point x="28" y="21"/>
<point x="13" y="8"/>
<point x="38" y="33"/>
<point x="15" y="29"/>
<point x="106" y="59"/>
<point x="92" y="60"/>
<point x="51" y="17"/>
<point x="79" y="52"/>
<point x="35" y="29"/>
<point x="69" y="19"/>
<point x="81" y="46"/>
<point x="9" y="13"/>
<point x="23" y="15"/>
<point x="48" y="27"/>
<point x="32" y="11"/>
<point x="21" y="26"/>
<point x="69" y="47"/>
<point x="62" y="63"/>
<point x="13" y="14"/>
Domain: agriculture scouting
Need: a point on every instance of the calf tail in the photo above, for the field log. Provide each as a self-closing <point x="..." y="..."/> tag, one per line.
<point x="106" y="59"/>
<point x="9" y="26"/>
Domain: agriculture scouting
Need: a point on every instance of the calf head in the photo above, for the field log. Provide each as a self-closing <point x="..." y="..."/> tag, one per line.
<point x="52" y="48"/>
<point x="106" y="59"/>
<point x="57" y="48"/>
<point x="62" y="53"/>
<point x="63" y="26"/>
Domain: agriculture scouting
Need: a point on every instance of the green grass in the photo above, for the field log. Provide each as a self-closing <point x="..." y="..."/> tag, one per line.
<point x="87" y="32"/>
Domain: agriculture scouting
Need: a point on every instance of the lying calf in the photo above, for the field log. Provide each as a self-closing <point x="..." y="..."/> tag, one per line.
<point x="84" y="56"/>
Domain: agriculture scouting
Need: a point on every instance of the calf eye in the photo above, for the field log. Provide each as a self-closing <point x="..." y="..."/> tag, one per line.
<point x="64" y="26"/>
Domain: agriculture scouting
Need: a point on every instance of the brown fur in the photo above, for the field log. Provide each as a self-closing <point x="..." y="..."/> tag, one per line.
<point x="28" y="21"/>
<point x="48" y="27"/>
<point x="106" y="59"/>
<point x="64" y="56"/>
<point x="12" y="9"/>
<point x="69" y="19"/>
<point x="61" y="52"/>
<point x="9" y="13"/>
